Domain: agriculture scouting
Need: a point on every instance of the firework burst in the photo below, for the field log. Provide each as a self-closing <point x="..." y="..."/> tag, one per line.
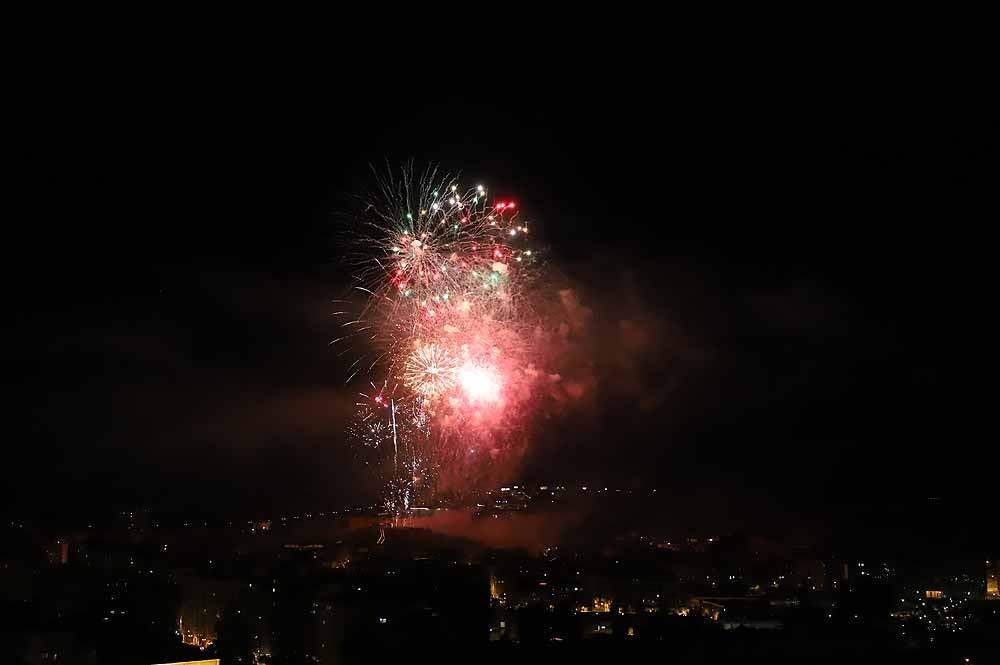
<point x="430" y="370"/>
<point x="446" y="320"/>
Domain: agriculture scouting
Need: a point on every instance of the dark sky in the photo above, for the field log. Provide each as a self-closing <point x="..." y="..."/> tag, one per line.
<point x="801" y="255"/>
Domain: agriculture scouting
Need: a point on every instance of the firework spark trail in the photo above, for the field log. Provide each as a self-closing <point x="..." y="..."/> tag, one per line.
<point x="448" y="283"/>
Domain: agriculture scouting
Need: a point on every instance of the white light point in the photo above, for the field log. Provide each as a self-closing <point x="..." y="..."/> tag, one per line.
<point x="480" y="384"/>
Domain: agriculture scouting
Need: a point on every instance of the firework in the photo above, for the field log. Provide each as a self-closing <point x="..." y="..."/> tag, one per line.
<point x="430" y="370"/>
<point x="446" y="277"/>
<point x="481" y="384"/>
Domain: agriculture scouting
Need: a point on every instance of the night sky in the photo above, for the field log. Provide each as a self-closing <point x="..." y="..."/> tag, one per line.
<point x="783" y="274"/>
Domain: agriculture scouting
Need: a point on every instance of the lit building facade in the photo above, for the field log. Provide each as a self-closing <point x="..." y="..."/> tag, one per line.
<point x="993" y="579"/>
